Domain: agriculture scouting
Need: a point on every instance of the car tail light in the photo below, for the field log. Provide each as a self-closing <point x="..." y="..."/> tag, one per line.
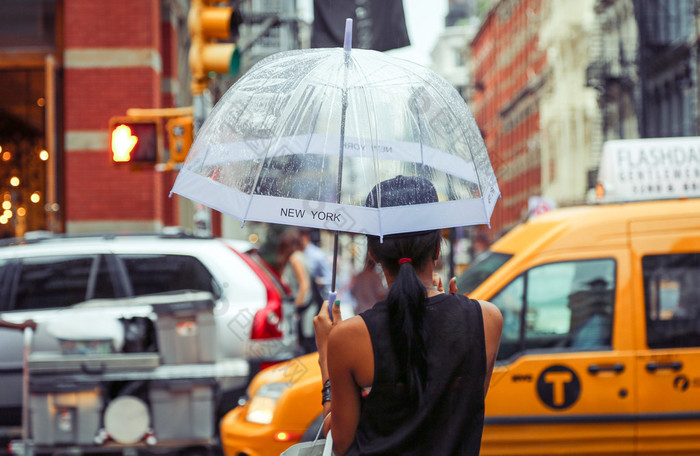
<point x="267" y="321"/>
<point x="287" y="436"/>
<point x="267" y="364"/>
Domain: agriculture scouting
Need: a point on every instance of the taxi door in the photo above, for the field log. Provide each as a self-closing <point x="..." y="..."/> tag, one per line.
<point x="666" y="265"/>
<point x="564" y="383"/>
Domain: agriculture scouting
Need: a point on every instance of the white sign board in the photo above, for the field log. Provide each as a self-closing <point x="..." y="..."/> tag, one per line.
<point x="647" y="169"/>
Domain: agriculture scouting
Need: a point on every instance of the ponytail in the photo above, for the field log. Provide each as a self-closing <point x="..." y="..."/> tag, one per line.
<point x="406" y="300"/>
<point x="401" y="256"/>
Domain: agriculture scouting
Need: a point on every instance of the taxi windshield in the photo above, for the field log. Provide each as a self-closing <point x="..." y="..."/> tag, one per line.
<point x="483" y="266"/>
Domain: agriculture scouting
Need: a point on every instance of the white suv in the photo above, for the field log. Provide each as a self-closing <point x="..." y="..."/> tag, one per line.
<point x="40" y="276"/>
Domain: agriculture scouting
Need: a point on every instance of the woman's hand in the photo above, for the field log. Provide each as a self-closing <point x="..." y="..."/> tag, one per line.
<point x="322" y="327"/>
<point x="437" y="281"/>
<point x="29" y="324"/>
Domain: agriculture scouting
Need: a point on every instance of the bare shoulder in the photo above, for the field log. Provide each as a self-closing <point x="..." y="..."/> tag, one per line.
<point x="350" y="337"/>
<point x="349" y="328"/>
<point x="491" y="313"/>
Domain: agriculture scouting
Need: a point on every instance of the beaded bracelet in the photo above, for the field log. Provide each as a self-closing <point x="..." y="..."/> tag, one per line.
<point x="326" y="392"/>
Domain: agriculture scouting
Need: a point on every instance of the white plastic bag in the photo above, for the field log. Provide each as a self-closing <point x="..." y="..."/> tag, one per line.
<point x="319" y="447"/>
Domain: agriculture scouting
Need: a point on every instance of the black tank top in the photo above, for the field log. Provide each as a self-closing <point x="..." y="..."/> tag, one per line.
<point x="450" y="417"/>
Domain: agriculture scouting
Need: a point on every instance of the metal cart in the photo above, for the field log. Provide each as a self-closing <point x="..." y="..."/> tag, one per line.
<point x="124" y="403"/>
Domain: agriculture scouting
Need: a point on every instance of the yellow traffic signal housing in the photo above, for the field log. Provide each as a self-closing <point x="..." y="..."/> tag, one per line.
<point x="134" y="140"/>
<point x="180" y="135"/>
<point x="208" y="23"/>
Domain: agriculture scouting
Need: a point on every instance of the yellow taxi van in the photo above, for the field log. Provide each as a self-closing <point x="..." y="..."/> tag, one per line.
<point x="600" y="352"/>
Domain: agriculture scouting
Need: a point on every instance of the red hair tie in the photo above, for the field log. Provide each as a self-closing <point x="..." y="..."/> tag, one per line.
<point x="404" y="260"/>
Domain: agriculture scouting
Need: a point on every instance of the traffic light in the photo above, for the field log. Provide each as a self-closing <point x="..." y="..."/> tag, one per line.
<point x="134" y="140"/>
<point x="208" y="21"/>
<point x="180" y="132"/>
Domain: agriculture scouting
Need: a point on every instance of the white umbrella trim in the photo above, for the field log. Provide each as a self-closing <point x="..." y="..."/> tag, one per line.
<point x="332" y="216"/>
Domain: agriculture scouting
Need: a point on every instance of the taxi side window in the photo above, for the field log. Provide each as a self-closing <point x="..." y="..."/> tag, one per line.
<point x="672" y="300"/>
<point x="558" y="306"/>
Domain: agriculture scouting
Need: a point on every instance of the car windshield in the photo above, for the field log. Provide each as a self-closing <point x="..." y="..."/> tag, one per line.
<point x="483" y="266"/>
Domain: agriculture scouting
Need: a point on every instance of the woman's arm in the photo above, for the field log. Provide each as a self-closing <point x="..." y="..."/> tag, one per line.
<point x="342" y="358"/>
<point x="299" y="269"/>
<point x="343" y="348"/>
<point x="25" y="324"/>
<point x="493" y="325"/>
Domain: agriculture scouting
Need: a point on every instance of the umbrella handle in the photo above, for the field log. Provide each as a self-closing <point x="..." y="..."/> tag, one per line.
<point x="331" y="303"/>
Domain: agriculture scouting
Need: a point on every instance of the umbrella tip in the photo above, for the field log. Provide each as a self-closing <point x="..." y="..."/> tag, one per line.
<point x="347" y="44"/>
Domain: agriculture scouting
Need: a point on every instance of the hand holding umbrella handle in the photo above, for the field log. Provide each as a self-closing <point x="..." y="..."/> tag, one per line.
<point x="331" y="302"/>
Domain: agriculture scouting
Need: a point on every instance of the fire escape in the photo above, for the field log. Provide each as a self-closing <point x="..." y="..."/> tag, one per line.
<point x="667" y="67"/>
<point x="614" y="72"/>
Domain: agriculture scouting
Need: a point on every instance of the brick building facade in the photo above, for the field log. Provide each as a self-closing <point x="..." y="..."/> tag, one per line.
<point x="508" y="68"/>
<point x="116" y="56"/>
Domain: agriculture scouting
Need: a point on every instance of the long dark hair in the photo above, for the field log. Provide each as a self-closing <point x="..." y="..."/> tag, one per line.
<point x="406" y="298"/>
<point x="289" y="242"/>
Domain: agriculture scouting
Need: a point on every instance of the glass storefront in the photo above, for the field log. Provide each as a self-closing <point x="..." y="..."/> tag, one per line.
<point x="27" y="37"/>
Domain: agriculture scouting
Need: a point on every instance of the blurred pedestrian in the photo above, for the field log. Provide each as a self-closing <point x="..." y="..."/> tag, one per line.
<point x="317" y="260"/>
<point x="294" y="270"/>
<point x="367" y="287"/>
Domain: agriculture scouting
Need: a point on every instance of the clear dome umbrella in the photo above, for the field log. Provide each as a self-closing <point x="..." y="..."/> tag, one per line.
<point x="303" y="137"/>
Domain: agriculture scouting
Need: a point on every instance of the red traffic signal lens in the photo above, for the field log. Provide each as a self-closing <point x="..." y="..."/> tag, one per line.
<point x="134" y="142"/>
<point x="123" y="142"/>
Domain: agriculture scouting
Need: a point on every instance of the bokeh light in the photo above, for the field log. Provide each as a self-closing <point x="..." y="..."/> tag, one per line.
<point x="44" y="155"/>
<point x="14" y="181"/>
<point x="35" y="198"/>
<point x="21" y="212"/>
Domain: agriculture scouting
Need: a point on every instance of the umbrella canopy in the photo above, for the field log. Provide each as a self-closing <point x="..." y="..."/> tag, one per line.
<point x="303" y="137"/>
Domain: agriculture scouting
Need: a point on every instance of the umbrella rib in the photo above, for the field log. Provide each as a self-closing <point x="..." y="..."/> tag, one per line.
<point x="418" y="124"/>
<point x="449" y="106"/>
<point x="317" y="115"/>
<point x="375" y="155"/>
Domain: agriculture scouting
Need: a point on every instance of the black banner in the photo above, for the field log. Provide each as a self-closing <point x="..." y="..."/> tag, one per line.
<point x="377" y="24"/>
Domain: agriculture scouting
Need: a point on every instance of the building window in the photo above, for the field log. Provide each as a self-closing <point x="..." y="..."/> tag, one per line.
<point x="26" y="23"/>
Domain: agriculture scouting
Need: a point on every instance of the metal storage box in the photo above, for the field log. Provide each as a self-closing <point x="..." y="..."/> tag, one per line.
<point x="186" y="331"/>
<point x="183" y="408"/>
<point x="64" y="412"/>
